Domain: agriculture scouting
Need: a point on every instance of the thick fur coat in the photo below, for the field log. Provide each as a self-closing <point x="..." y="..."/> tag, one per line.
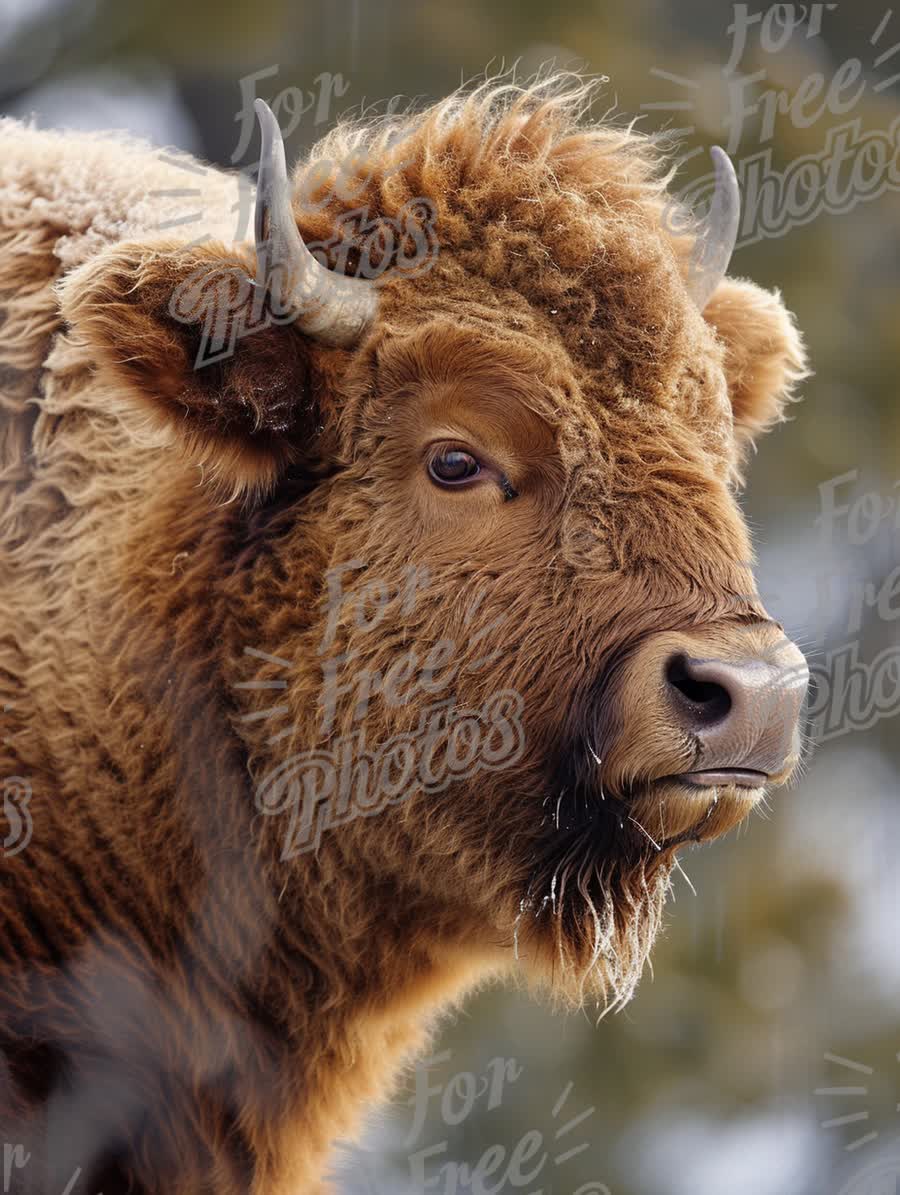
<point x="186" y="1007"/>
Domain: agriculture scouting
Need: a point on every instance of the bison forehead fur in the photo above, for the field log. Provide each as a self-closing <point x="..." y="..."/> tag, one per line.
<point x="200" y="1008"/>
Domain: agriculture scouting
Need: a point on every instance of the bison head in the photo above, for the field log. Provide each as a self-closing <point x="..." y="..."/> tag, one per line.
<point x="490" y="550"/>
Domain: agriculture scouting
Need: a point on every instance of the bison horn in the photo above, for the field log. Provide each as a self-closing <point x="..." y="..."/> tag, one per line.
<point x="718" y="235"/>
<point x="327" y="306"/>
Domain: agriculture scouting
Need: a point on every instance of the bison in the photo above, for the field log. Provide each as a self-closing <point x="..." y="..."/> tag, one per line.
<point x="377" y="611"/>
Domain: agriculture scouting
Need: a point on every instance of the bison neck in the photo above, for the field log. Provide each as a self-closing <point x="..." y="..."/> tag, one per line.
<point x="231" y="1009"/>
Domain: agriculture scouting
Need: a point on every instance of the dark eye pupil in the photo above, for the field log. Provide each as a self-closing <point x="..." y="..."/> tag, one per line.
<point x="454" y="466"/>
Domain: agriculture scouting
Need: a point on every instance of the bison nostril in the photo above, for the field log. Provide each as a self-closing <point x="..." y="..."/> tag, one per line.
<point x="740" y="711"/>
<point x="706" y="701"/>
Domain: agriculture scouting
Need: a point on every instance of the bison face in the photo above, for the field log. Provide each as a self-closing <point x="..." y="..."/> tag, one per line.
<point x="566" y="569"/>
<point x="514" y="585"/>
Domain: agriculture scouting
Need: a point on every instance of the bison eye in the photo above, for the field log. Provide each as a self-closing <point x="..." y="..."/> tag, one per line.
<point x="452" y="466"/>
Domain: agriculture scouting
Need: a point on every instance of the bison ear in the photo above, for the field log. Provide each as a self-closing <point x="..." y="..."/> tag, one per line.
<point x="182" y="331"/>
<point x="764" y="354"/>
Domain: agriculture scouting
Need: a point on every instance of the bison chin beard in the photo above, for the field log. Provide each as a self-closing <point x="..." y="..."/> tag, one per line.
<point x="594" y="900"/>
<point x="585" y="928"/>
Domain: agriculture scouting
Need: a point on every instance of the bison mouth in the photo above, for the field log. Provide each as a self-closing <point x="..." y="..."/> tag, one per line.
<point x="604" y="865"/>
<point x="662" y="812"/>
<point x="722" y="778"/>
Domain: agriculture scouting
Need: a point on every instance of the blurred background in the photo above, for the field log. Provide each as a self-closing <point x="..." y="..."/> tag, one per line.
<point x="763" y="1055"/>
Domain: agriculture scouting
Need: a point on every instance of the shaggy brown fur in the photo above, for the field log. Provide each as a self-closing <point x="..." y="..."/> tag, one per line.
<point x="182" y="1008"/>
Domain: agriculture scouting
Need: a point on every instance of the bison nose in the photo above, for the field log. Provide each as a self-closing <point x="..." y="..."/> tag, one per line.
<point x="744" y="713"/>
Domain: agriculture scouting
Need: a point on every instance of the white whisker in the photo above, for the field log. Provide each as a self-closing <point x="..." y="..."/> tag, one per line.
<point x="687" y="878"/>
<point x="643" y="831"/>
